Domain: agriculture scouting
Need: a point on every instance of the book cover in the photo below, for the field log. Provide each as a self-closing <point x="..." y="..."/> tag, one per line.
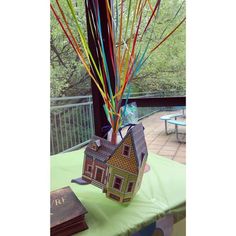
<point x="67" y="212"/>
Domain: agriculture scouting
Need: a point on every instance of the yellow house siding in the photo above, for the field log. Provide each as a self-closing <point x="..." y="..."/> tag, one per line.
<point x="127" y="177"/>
<point x="123" y="162"/>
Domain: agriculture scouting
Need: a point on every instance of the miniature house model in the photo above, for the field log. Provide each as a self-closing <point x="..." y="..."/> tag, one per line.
<point x="117" y="169"/>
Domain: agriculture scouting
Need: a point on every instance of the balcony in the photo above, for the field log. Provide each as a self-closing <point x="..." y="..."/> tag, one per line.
<point x="72" y="124"/>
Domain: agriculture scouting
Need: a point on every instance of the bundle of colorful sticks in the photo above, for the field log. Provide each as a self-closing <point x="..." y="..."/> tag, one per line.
<point x="126" y="26"/>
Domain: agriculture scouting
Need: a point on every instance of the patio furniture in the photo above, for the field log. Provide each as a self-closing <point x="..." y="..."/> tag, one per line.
<point x="162" y="193"/>
<point x="169" y="117"/>
<point x="177" y="123"/>
<point x="183" y="108"/>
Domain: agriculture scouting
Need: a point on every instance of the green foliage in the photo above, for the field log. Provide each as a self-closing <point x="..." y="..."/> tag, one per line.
<point x="164" y="70"/>
<point x="68" y="76"/>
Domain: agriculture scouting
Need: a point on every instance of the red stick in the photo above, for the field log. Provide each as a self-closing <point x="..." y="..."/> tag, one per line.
<point x="168" y="35"/>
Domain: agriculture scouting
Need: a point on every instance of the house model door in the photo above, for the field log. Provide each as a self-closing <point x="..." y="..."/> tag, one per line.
<point x="99" y="174"/>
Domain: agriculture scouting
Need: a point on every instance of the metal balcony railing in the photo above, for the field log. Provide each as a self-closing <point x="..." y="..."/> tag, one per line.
<point x="72" y="121"/>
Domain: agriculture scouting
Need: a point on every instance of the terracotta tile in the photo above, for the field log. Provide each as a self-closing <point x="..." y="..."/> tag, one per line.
<point x="152" y="136"/>
<point x="180" y="159"/>
<point x="172" y="143"/>
<point x="149" y="139"/>
<point x="182" y="148"/>
<point x="180" y="153"/>
<point x="169" y="157"/>
<point x="156" y="151"/>
<point x="158" y="141"/>
<point x="174" y="139"/>
<point x="167" y="152"/>
<point x="160" y="137"/>
<point x="170" y="147"/>
<point x="155" y="144"/>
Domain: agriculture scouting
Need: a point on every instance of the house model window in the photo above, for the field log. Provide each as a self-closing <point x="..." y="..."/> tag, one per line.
<point x="99" y="174"/>
<point x="126" y="150"/>
<point x="130" y="187"/>
<point x="89" y="168"/>
<point x="117" y="183"/>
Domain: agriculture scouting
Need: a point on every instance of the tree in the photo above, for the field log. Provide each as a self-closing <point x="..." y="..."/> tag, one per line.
<point x="164" y="70"/>
<point x="68" y="76"/>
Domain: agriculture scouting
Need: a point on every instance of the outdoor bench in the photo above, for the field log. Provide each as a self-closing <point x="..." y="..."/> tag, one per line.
<point x="169" y="117"/>
<point x="177" y="123"/>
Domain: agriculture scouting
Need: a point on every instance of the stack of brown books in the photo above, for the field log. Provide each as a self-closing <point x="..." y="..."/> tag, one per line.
<point x="67" y="213"/>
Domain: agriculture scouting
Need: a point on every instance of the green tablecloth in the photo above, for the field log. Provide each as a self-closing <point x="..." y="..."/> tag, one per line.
<point x="162" y="191"/>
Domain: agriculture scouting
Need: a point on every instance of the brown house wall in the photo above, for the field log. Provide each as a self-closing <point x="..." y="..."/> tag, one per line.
<point x="89" y="161"/>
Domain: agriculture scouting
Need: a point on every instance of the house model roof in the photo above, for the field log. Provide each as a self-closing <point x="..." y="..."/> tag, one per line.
<point x="106" y="148"/>
<point x="104" y="151"/>
<point x="139" y="142"/>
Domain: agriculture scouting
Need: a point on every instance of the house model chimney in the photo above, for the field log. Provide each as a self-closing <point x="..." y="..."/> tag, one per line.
<point x="96" y="144"/>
